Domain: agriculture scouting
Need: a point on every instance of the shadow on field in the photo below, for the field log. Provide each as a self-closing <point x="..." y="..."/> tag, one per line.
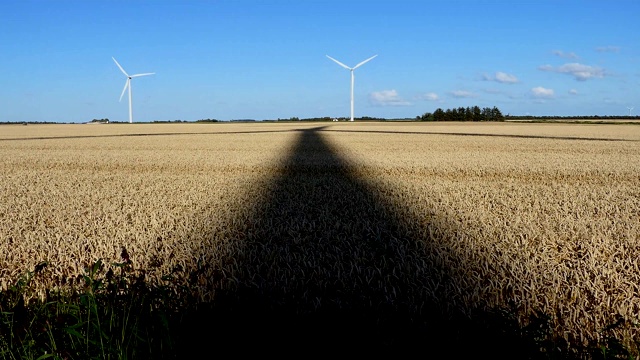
<point x="327" y="267"/>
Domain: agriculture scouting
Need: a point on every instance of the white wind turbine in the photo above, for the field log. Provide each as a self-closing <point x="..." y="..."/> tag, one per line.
<point x="128" y="85"/>
<point x="352" y="77"/>
<point x="630" y="108"/>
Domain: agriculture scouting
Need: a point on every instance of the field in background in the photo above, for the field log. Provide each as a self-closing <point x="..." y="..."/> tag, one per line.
<point x="633" y="120"/>
<point x="535" y="218"/>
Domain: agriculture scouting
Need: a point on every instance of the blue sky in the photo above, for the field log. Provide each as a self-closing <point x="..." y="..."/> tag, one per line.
<point x="267" y="59"/>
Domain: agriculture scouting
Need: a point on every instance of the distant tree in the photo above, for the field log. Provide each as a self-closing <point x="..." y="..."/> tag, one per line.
<point x="439" y="115"/>
<point x="468" y="114"/>
<point x="476" y="113"/>
<point x="425" y="117"/>
<point x="497" y="114"/>
<point x="448" y="115"/>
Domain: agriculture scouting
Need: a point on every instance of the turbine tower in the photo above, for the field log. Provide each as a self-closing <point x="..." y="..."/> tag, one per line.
<point x="352" y="77"/>
<point x="128" y="85"/>
<point x="630" y="108"/>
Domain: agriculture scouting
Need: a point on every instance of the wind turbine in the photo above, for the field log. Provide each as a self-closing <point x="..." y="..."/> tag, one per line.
<point x="128" y="85"/>
<point x="630" y="108"/>
<point x="351" y="69"/>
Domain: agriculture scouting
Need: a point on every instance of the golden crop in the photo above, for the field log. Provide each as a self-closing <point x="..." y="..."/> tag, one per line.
<point x="534" y="217"/>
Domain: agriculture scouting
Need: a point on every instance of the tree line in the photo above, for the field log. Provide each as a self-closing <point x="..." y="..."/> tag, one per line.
<point x="474" y="113"/>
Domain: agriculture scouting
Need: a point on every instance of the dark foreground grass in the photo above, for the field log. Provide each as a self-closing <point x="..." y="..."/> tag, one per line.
<point x="117" y="316"/>
<point x="112" y="316"/>
<point x="323" y="266"/>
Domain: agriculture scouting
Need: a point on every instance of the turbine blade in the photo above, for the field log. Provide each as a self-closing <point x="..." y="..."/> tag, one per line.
<point x="121" y="69"/>
<point x="355" y="67"/>
<point x="126" y="85"/>
<point x="339" y="63"/>
<point x="145" y="74"/>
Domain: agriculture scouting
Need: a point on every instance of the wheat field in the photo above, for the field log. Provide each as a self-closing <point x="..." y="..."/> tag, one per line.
<point x="536" y="218"/>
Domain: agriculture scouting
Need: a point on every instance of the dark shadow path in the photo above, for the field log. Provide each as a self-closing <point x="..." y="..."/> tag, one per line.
<point x="326" y="268"/>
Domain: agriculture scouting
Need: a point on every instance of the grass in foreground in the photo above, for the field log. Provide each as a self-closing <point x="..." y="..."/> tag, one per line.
<point x="116" y="316"/>
<point x="112" y="316"/>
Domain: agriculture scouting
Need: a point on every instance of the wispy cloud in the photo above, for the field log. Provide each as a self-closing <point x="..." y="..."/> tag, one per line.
<point x="462" y="94"/>
<point x="493" y="91"/>
<point x="506" y="78"/>
<point x="387" y="98"/>
<point x="562" y="54"/>
<point x="579" y="71"/>
<point x="501" y="77"/>
<point x="573" y="92"/>
<point x="542" y="93"/>
<point x="609" y="48"/>
<point x="431" y="96"/>
<point x="611" y="101"/>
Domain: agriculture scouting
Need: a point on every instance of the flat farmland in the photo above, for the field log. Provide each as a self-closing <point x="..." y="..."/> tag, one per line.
<point x="413" y="220"/>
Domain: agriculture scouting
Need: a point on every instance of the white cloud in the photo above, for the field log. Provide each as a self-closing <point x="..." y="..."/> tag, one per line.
<point x="501" y="77"/>
<point x="573" y="92"/>
<point x="563" y="54"/>
<point x="430" y="96"/>
<point x="387" y="98"/>
<point x="462" y="94"/>
<point x="579" y="71"/>
<point x="609" y="48"/>
<point x="540" y="92"/>
<point x="506" y="78"/>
